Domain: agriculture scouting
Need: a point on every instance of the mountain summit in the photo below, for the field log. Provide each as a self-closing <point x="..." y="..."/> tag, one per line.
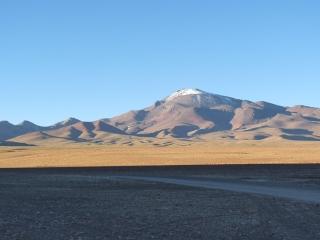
<point x="185" y="92"/>
<point x="186" y="113"/>
<point x="196" y="96"/>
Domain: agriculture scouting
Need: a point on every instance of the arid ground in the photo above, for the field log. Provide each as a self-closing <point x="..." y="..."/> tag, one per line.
<point x="161" y="153"/>
<point x="96" y="202"/>
<point x="88" y="203"/>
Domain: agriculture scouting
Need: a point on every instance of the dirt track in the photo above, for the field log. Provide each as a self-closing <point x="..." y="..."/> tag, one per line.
<point x="299" y="194"/>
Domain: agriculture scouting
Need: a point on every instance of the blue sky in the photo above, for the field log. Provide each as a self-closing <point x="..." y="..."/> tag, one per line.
<point x="96" y="59"/>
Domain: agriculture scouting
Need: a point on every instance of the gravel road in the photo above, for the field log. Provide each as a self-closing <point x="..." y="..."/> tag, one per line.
<point x="300" y="194"/>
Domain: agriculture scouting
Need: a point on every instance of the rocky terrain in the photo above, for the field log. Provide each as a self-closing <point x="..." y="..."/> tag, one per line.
<point x="86" y="204"/>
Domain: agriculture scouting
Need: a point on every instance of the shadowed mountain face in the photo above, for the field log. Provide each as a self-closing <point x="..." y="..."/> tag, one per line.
<point x="250" y="113"/>
<point x="8" y="130"/>
<point x="186" y="113"/>
<point x="13" y="144"/>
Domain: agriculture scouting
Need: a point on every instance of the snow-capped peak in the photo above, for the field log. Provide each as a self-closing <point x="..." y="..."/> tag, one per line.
<point x="184" y="92"/>
<point x="202" y="97"/>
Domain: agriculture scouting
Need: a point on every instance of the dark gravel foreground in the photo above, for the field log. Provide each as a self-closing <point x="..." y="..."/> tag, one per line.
<point x="84" y="204"/>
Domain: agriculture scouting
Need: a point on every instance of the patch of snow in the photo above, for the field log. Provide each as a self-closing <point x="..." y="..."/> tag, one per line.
<point x="200" y="96"/>
<point x="184" y="92"/>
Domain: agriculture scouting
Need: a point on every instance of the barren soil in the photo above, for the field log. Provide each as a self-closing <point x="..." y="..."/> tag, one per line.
<point x="88" y="204"/>
<point x="152" y="154"/>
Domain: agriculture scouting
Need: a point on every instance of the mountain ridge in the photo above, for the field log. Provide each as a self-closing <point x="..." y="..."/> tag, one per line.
<point x="186" y="113"/>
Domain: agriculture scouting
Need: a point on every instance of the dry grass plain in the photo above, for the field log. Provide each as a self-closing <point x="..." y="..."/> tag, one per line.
<point x="179" y="153"/>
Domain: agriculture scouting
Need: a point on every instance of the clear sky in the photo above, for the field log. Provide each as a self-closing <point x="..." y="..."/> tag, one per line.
<point x="95" y="59"/>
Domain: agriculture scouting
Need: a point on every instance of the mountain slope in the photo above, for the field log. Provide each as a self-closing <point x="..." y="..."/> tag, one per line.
<point x="191" y="112"/>
<point x="182" y="113"/>
<point x="77" y="132"/>
<point x="8" y="130"/>
<point x="187" y="113"/>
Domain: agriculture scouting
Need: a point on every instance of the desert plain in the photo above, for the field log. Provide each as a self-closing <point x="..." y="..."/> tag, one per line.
<point x="146" y="152"/>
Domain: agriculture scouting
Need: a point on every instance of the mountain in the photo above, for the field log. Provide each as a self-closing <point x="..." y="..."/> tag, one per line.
<point x="8" y="130"/>
<point x="182" y="114"/>
<point x="65" y="123"/>
<point x="95" y="132"/>
<point x="193" y="112"/>
<point x="186" y="113"/>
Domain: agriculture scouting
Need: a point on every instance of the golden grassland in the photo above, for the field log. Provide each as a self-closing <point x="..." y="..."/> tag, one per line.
<point x="205" y="153"/>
